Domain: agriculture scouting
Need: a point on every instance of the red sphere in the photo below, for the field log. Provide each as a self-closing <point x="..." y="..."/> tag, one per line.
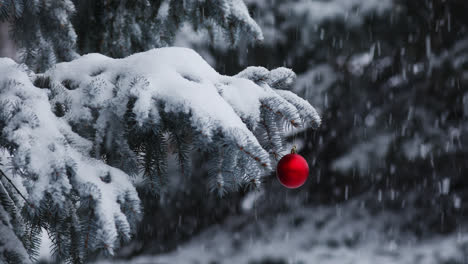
<point x="292" y="171"/>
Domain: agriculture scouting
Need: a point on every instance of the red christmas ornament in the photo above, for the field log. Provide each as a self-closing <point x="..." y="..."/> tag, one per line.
<point x="292" y="170"/>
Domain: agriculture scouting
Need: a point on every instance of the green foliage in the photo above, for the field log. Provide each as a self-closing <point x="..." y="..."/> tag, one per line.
<point x="52" y="31"/>
<point x="43" y="32"/>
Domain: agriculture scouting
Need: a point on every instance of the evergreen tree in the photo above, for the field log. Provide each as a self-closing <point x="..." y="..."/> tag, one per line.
<point x="78" y="132"/>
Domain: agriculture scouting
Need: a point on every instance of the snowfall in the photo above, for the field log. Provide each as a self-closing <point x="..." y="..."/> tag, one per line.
<point x="348" y="233"/>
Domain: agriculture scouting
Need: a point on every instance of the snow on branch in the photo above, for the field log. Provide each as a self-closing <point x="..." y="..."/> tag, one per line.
<point x="53" y="170"/>
<point x="77" y="131"/>
<point x="164" y="88"/>
<point x="48" y="31"/>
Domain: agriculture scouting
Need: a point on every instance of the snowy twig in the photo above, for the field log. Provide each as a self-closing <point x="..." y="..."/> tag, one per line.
<point x="14" y="186"/>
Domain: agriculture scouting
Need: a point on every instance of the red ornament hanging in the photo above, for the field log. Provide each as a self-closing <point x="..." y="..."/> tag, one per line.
<point x="292" y="170"/>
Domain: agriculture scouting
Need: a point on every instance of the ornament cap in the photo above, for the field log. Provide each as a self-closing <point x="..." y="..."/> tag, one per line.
<point x="294" y="150"/>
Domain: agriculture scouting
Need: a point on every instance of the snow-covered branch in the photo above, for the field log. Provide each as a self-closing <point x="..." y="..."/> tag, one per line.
<point x="76" y="132"/>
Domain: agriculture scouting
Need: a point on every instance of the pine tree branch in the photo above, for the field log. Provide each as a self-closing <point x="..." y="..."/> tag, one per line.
<point x="14" y="186"/>
<point x="292" y="121"/>
<point x="268" y="133"/>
